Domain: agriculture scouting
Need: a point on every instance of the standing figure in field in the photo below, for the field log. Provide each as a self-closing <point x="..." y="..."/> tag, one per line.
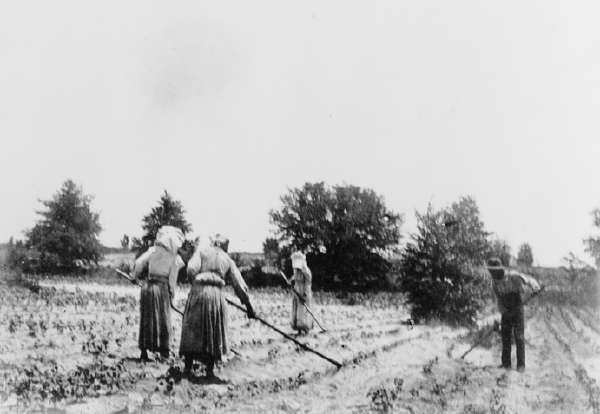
<point x="509" y="289"/>
<point x="163" y="264"/>
<point x="302" y="321"/>
<point x="204" y="330"/>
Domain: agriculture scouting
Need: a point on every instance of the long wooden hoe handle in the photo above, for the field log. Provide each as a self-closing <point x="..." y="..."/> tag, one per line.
<point x="302" y="300"/>
<point x="291" y="338"/>
<point x="483" y="337"/>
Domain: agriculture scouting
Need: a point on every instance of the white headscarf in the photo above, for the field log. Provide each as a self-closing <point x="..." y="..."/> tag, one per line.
<point x="169" y="237"/>
<point x="221" y="241"/>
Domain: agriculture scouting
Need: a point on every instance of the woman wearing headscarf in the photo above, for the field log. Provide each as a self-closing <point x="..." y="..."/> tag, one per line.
<point x="302" y="281"/>
<point x="163" y="264"/>
<point x="204" y="329"/>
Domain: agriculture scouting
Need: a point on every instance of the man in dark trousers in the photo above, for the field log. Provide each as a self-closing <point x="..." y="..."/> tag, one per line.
<point x="509" y="287"/>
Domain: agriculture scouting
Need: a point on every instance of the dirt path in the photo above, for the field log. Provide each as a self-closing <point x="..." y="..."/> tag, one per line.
<point x="417" y="376"/>
<point x="347" y="390"/>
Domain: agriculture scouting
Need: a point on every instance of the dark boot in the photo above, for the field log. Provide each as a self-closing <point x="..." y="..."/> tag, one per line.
<point x="210" y="368"/>
<point x="519" y="329"/>
<point x="187" y="370"/>
<point x="506" y="330"/>
<point x="144" y="356"/>
<point x="164" y="353"/>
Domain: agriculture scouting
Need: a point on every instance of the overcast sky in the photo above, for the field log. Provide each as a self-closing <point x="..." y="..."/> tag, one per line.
<point x="227" y="103"/>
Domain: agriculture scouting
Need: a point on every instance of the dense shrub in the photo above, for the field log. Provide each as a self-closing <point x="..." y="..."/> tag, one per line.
<point x="256" y="276"/>
<point x="18" y="257"/>
<point x="256" y="271"/>
<point x="442" y="273"/>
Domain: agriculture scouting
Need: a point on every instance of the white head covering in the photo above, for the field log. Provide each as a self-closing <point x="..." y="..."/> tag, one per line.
<point x="221" y="241"/>
<point x="169" y="237"/>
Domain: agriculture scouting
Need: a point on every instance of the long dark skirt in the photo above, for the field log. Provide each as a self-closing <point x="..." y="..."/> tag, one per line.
<point x="301" y="319"/>
<point x="155" y="316"/>
<point x="204" y="328"/>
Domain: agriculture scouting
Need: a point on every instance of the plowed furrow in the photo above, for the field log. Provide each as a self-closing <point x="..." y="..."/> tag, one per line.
<point x="588" y="384"/>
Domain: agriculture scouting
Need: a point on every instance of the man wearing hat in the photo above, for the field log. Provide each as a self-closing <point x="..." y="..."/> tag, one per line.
<point x="509" y="287"/>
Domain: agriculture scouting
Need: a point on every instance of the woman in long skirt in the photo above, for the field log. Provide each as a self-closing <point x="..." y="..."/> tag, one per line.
<point x="163" y="264"/>
<point x="204" y="329"/>
<point x="302" y="321"/>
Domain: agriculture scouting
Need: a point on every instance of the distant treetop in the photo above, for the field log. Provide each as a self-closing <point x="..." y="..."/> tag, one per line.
<point x="168" y="212"/>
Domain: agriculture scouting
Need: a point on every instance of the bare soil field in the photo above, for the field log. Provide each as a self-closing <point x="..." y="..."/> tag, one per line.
<point x="72" y="348"/>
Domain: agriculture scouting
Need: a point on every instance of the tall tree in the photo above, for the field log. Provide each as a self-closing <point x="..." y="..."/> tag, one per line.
<point x="468" y="237"/>
<point x="125" y="242"/>
<point x="345" y="231"/>
<point x="168" y="212"/>
<point x="501" y="249"/>
<point x="525" y="255"/>
<point x="68" y="230"/>
<point x="441" y="263"/>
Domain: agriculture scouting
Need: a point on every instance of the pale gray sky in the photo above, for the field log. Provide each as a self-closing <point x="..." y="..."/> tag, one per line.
<point x="228" y="103"/>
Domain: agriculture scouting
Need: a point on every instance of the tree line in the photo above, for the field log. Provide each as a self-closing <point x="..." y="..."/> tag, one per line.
<point x="352" y="241"/>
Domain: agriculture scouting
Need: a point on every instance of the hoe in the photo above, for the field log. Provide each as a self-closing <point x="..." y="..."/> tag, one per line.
<point x="261" y="320"/>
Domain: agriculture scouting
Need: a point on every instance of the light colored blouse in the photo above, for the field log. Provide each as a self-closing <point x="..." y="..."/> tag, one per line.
<point x="302" y="279"/>
<point x="161" y="263"/>
<point x="213" y="260"/>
